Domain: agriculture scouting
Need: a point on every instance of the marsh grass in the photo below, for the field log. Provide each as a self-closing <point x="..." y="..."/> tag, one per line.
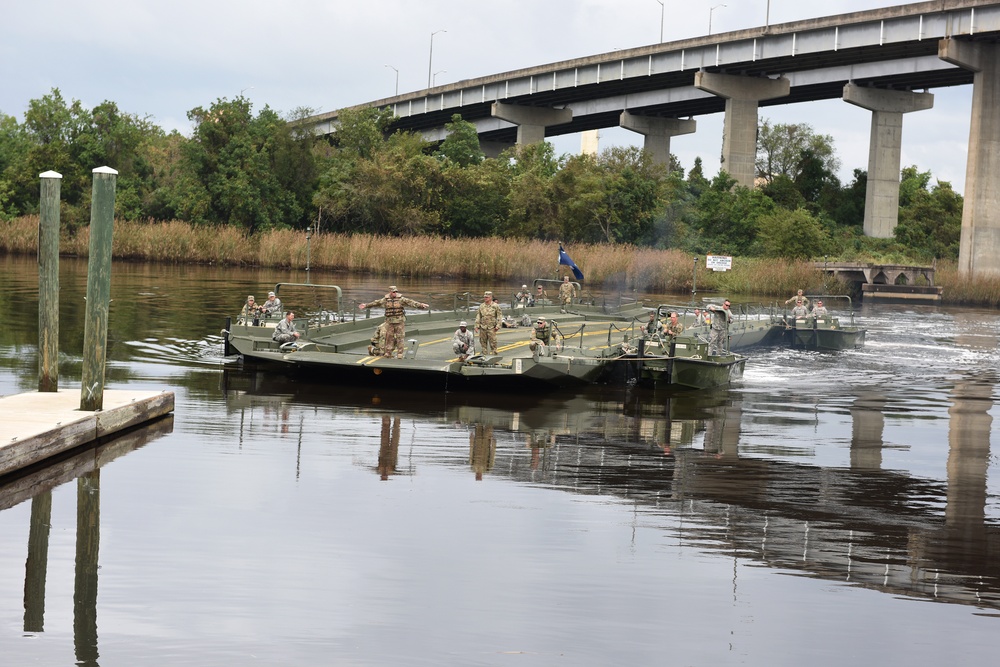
<point x="618" y="266"/>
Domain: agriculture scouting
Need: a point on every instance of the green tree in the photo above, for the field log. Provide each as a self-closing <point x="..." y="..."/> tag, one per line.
<point x="461" y="146"/>
<point x="791" y="234"/>
<point x="780" y="148"/>
<point x="362" y="131"/>
<point x="930" y="221"/>
<point x="726" y="217"/>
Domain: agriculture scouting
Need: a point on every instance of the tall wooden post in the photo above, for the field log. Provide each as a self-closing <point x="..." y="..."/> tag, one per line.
<point x="95" y="332"/>
<point x="48" y="282"/>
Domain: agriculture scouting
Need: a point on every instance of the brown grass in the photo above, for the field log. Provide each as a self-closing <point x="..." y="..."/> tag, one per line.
<point x="627" y="267"/>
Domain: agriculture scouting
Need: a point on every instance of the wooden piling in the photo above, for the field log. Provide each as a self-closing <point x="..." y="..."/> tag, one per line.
<point x="48" y="282"/>
<point x="95" y="333"/>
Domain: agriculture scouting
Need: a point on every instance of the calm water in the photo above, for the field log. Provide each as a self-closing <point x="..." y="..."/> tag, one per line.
<point x="828" y="510"/>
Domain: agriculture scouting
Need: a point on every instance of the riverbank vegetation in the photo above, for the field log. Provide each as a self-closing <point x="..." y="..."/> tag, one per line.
<point x="244" y="188"/>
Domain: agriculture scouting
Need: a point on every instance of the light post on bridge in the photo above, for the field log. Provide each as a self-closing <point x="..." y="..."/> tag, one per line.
<point x="710" y="17"/>
<point x="430" y="60"/>
<point x="434" y="79"/>
<point x="661" y="19"/>
<point x="397" y="77"/>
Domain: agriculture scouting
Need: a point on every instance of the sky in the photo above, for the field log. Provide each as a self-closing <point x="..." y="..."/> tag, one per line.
<point x="161" y="59"/>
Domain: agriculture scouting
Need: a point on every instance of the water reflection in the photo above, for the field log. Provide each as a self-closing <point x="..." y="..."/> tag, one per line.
<point x="860" y="523"/>
<point x="37" y="485"/>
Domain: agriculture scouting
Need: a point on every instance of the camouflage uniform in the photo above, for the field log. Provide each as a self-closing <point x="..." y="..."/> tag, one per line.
<point x="284" y="332"/>
<point x="540" y="333"/>
<point x="250" y="312"/>
<point x="377" y="347"/>
<point x="798" y="297"/>
<point x="461" y="342"/>
<point x="820" y="311"/>
<point x="800" y="310"/>
<point x="720" y="327"/>
<point x="395" y="320"/>
<point x="272" y="305"/>
<point x="653" y="325"/>
<point x="488" y="319"/>
<point x="567" y="292"/>
<point x="674" y="330"/>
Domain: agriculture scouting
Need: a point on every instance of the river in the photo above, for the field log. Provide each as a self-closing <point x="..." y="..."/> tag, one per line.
<point x="827" y="509"/>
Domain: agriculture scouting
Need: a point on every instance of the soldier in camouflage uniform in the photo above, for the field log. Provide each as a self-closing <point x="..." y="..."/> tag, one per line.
<point x="395" y="319"/>
<point x="674" y="326"/>
<point x="567" y="292"/>
<point x="799" y="296"/>
<point x="541" y="333"/>
<point x="488" y="320"/>
<point x="717" y="337"/>
<point x="377" y="343"/>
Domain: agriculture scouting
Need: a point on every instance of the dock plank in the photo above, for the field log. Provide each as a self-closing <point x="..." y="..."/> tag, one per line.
<point x="38" y="425"/>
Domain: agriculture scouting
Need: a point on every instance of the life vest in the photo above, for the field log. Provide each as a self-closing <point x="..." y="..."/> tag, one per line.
<point x="394" y="308"/>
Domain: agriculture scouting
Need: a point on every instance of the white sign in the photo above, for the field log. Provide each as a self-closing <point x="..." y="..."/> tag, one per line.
<point x="718" y="262"/>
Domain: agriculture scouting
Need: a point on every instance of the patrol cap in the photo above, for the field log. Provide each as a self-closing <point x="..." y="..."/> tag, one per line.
<point x="270" y="293"/>
<point x="463" y="323"/>
<point x="487" y="293"/>
<point x="250" y="298"/>
<point x="392" y="288"/>
<point x="541" y="319"/>
<point x="524" y="287"/>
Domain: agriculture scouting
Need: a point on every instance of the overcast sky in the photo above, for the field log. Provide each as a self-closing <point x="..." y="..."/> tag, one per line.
<point x="161" y="59"/>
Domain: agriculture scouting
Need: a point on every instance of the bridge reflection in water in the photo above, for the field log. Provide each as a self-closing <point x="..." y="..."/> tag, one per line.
<point x="680" y="455"/>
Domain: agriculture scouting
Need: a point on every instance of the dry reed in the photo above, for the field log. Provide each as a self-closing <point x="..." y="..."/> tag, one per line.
<point x="621" y="266"/>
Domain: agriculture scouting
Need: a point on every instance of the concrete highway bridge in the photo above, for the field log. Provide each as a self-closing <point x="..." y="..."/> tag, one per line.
<point x="883" y="60"/>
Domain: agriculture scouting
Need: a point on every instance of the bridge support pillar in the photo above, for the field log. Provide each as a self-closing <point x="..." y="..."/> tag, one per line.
<point x="493" y="148"/>
<point x="657" y="132"/>
<point x="531" y="121"/>
<point x="739" y="134"/>
<point x="882" y="194"/>
<point x="979" y="249"/>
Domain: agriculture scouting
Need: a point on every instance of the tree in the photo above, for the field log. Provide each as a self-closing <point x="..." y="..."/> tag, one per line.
<point x="461" y="146"/>
<point x="361" y="131"/>
<point x="780" y="149"/>
<point x="791" y="234"/>
<point x="930" y="221"/>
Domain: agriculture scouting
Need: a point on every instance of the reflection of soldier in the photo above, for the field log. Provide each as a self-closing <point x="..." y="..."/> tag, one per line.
<point x="488" y="320"/>
<point x="482" y="450"/>
<point x="541" y="334"/>
<point x="395" y="319"/>
<point x="388" y="451"/>
<point x="377" y="347"/>
<point x="567" y="292"/>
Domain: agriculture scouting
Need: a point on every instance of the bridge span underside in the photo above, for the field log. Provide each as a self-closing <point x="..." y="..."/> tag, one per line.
<point x="914" y="47"/>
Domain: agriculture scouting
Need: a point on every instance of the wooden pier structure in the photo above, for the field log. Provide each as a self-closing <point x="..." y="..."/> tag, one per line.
<point x="41" y="425"/>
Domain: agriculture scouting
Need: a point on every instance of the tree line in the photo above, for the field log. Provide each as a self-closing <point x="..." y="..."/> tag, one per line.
<point x="262" y="171"/>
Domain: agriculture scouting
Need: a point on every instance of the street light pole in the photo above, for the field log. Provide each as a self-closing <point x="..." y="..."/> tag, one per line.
<point x="430" y="59"/>
<point x="434" y="79"/>
<point x="397" y="77"/>
<point x="661" y="20"/>
<point x="767" y="16"/>
<point x="710" y="17"/>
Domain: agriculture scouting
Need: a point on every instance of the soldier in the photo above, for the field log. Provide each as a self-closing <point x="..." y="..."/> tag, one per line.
<point x="721" y="317"/>
<point x="539" y="295"/>
<point x="567" y="292"/>
<point x="285" y="331"/>
<point x="395" y="319"/>
<point x="800" y="309"/>
<point x="272" y="305"/>
<point x="377" y="346"/>
<point x="461" y="342"/>
<point x="674" y="327"/>
<point x="541" y="334"/>
<point x="522" y="298"/>
<point x="488" y="320"/>
<point x="799" y="296"/>
<point x="819" y="310"/>
<point x="251" y="312"/>
<point x="653" y="326"/>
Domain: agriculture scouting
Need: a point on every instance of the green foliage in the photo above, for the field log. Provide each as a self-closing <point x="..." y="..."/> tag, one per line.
<point x="461" y="146"/>
<point x="791" y="235"/>
<point x="727" y="215"/>
<point x="930" y="221"/>
<point x="360" y="132"/>
<point x="781" y="147"/>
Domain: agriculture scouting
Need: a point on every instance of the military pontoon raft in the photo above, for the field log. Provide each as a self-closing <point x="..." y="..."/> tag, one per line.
<point x="594" y="341"/>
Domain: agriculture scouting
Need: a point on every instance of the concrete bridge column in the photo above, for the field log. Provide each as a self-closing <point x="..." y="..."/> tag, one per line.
<point x="531" y="121"/>
<point x="739" y="135"/>
<point x="882" y="193"/>
<point x="979" y="249"/>
<point x="657" y="132"/>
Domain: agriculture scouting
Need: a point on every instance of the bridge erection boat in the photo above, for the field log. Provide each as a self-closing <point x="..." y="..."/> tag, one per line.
<point x="591" y="343"/>
<point x="821" y="332"/>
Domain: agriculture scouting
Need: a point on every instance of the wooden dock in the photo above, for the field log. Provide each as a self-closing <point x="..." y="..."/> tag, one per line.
<point x="35" y="426"/>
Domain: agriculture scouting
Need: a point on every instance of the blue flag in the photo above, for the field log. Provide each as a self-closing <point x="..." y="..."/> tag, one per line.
<point x="564" y="259"/>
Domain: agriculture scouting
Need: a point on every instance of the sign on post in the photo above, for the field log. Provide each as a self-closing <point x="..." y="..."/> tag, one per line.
<point x="718" y="262"/>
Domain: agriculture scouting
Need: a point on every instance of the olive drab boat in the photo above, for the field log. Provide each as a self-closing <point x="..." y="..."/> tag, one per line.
<point x="593" y="341"/>
<point x="822" y="332"/>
